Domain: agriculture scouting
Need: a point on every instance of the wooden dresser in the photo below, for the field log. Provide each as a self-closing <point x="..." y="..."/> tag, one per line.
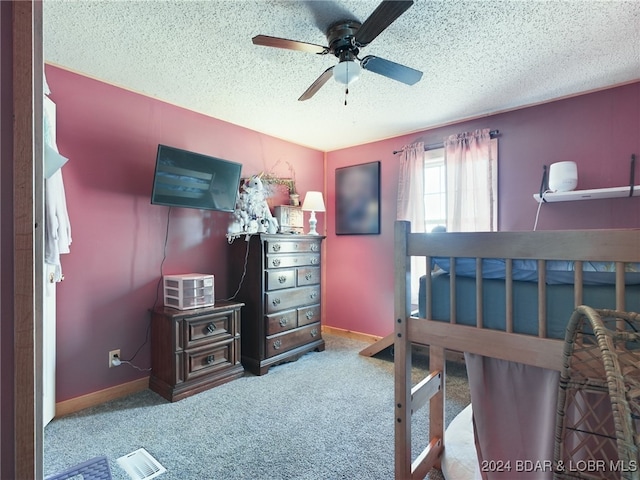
<point x="194" y="350"/>
<point x="281" y="293"/>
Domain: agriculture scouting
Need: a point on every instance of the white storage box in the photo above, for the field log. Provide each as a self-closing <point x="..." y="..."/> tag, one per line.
<point x="190" y="290"/>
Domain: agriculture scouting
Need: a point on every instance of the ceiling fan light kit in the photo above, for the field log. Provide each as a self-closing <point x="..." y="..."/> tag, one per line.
<point x="345" y="39"/>
<point x="346" y="72"/>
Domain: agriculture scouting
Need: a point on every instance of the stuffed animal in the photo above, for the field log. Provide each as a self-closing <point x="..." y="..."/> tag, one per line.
<point x="273" y="225"/>
<point x="252" y="213"/>
<point x="252" y="227"/>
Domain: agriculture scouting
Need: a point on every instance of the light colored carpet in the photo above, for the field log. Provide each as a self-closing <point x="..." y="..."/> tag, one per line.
<point x="328" y="415"/>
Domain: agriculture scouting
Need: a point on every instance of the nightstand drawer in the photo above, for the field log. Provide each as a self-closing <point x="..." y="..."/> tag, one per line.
<point x="278" y="344"/>
<point x="293" y="260"/>
<point x="292" y="298"/>
<point x="308" y="276"/>
<point x="277" y="279"/>
<point x="292" y="246"/>
<point x="307" y="315"/>
<point x="207" y="360"/>
<point x="203" y="329"/>
<point x="279" y="322"/>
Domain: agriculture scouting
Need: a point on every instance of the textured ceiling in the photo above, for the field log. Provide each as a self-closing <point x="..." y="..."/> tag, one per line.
<point x="478" y="57"/>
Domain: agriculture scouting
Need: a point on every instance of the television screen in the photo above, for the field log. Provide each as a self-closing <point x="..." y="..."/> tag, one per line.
<point x="193" y="180"/>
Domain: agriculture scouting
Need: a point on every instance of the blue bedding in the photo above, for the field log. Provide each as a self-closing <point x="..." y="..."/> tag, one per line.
<point x="557" y="272"/>
<point x="560" y="302"/>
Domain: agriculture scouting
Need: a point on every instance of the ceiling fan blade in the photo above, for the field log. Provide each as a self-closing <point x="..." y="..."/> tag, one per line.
<point x="315" y="86"/>
<point x="383" y="16"/>
<point x="278" y="42"/>
<point x="392" y="70"/>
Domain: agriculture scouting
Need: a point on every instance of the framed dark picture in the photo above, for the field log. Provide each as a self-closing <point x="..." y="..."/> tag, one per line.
<point x="358" y="199"/>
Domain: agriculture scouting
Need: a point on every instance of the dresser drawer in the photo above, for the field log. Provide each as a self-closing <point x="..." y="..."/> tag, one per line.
<point x="308" y="276"/>
<point x="293" y="260"/>
<point x="307" y="315"/>
<point x="199" y="330"/>
<point x="292" y="298"/>
<point x="292" y="246"/>
<point x="279" y="322"/>
<point x="277" y="279"/>
<point x="283" y="342"/>
<point x="207" y="360"/>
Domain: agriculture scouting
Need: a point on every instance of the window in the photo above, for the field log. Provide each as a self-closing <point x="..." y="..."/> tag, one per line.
<point x="438" y="194"/>
<point x="435" y="189"/>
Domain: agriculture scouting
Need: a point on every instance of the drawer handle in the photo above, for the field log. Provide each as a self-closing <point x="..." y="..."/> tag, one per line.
<point x="309" y="314"/>
<point x="315" y="261"/>
<point x="277" y="344"/>
<point x="275" y="262"/>
<point x="314" y="332"/>
<point x="282" y="278"/>
<point x="308" y="276"/>
<point x="211" y="327"/>
<point x="313" y="295"/>
<point x="295" y="246"/>
<point x="210" y="359"/>
<point x="283" y="321"/>
<point x="276" y="247"/>
<point x="276" y="302"/>
<point x="314" y="247"/>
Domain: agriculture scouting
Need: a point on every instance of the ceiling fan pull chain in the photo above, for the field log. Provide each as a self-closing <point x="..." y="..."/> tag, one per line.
<point x="346" y="87"/>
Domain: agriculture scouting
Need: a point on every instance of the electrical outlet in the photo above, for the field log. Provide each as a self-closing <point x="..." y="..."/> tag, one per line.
<point x="113" y="354"/>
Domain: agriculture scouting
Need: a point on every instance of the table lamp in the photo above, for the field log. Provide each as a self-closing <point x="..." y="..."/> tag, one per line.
<point x="313" y="203"/>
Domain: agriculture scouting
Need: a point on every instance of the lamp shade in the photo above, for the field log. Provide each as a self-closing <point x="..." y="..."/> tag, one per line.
<point x="313" y="202"/>
<point x="346" y="72"/>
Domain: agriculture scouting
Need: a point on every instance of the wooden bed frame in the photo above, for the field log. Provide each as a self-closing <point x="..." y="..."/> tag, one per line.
<point x="619" y="246"/>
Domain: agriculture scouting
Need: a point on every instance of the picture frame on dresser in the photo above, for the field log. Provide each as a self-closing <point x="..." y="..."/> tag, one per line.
<point x="358" y="199"/>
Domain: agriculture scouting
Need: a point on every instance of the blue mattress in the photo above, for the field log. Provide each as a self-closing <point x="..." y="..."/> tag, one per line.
<point x="525" y="302"/>
<point x="557" y="272"/>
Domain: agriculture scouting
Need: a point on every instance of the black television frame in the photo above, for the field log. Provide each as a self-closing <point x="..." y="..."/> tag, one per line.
<point x="194" y="180"/>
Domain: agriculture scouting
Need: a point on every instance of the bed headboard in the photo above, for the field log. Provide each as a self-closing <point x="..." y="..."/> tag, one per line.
<point x="616" y="246"/>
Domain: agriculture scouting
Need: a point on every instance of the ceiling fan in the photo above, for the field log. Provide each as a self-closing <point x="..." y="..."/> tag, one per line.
<point x="345" y="39"/>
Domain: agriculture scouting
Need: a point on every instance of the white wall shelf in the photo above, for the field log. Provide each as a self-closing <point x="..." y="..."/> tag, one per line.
<point x="592" y="194"/>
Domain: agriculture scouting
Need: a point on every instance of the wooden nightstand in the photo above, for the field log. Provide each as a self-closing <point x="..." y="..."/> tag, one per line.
<point x="194" y="350"/>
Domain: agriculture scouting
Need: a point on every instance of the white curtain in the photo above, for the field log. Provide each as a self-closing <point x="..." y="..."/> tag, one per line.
<point x="411" y="202"/>
<point x="472" y="182"/>
<point x="411" y="186"/>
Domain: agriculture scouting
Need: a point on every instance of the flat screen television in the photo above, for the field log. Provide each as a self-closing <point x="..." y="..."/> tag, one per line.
<point x="192" y="180"/>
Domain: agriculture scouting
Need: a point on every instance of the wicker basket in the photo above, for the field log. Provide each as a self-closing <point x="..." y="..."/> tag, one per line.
<point x="598" y="413"/>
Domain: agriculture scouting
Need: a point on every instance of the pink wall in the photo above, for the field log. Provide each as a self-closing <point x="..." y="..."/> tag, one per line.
<point x="599" y="131"/>
<point x="110" y="136"/>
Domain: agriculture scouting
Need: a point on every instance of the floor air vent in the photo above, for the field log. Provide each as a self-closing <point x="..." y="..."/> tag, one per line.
<point x="140" y="465"/>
